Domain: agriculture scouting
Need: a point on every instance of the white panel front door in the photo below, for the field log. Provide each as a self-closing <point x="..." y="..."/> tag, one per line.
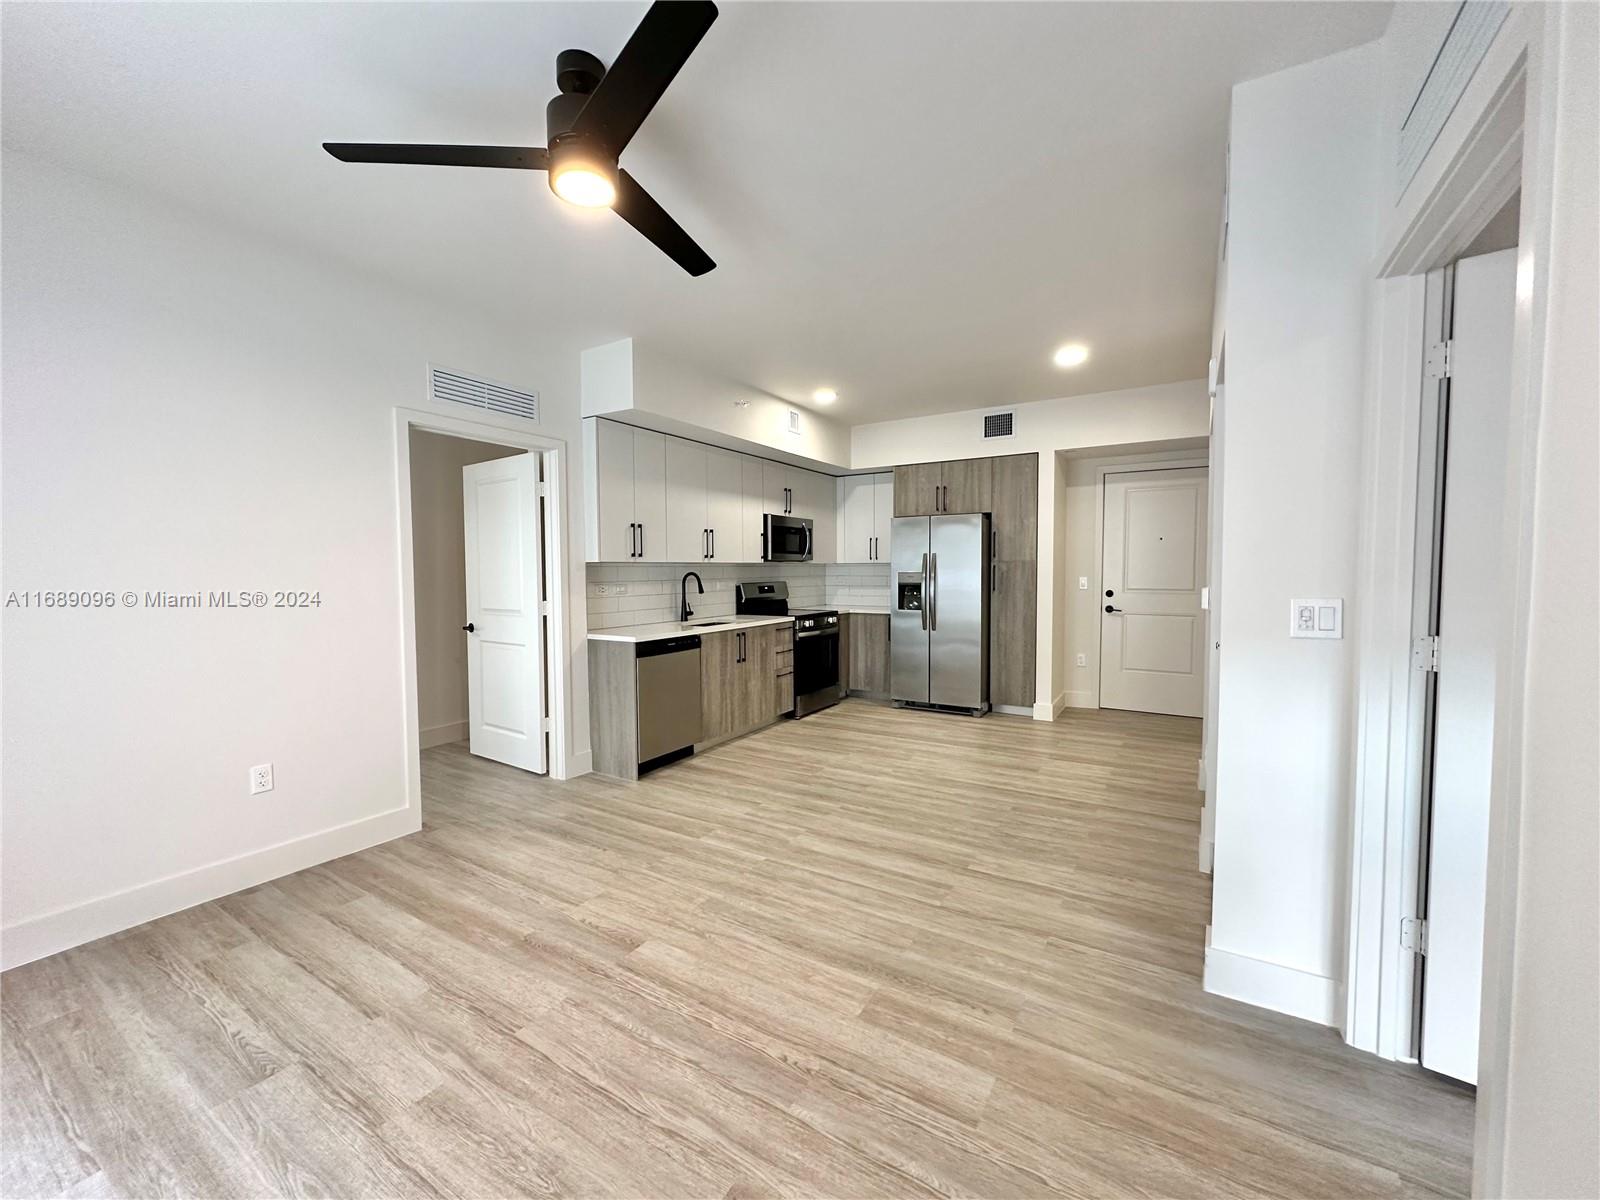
<point x="505" y="646"/>
<point x="1463" y="740"/>
<point x="1152" y="632"/>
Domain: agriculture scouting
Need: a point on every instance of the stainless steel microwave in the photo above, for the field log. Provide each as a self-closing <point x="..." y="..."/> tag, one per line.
<point x="785" y="539"/>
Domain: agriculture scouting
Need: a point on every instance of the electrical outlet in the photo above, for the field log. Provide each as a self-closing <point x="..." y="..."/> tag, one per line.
<point x="261" y="779"/>
<point x="1083" y="660"/>
<point x="610" y="589"/>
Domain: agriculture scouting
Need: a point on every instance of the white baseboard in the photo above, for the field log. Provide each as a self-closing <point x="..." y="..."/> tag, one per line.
<point x="443" y="735"/>
<point x="1087" y="699"/>
<point x="581" y="763"/>
<point x="53" y="932"/>
<point x="1049" y="712"/>
<point x="1272" y="985"/>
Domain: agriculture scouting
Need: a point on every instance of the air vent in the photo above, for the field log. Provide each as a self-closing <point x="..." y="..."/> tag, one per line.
<point x="999" y="425"/>
<point x="456" y="388"/>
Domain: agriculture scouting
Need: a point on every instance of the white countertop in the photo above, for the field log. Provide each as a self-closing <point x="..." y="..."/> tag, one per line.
<point x="671" y="629"/>
<point x="866" y="610"/>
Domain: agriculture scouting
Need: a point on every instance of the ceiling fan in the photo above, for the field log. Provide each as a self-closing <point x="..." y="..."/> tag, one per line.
<point x="588" y="125"/>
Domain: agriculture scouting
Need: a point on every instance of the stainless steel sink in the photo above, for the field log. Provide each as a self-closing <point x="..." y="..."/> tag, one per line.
<point x="702" y="624"/>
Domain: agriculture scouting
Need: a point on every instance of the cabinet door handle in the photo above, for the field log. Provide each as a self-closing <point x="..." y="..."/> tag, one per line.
<point x="713" y="534"/>
<point x="641" y="539"/>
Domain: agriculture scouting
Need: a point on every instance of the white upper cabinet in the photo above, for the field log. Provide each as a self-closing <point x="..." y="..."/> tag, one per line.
<point x="776" y="486"/>
<point x="725" y="507"/>
<point x="656" y="498"/>
<point x="627" y="505"/>
<point x="882" y="515"/>
<point x="752" y="473"/>
<point x="866" y="508"/>
<point x="856" y="529"/>
<point x="688" y="535"/>
<point x="815" y="497"/>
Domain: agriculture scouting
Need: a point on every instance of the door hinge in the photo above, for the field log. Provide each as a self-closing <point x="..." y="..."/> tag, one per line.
<point x="547" y="725"/>
<point x="1437" y="365"/>
<point x="1414" y="935"/>
<point x="544" y="608"/>
<point x="1425" y="653"/>
<point x="541" y="489"/>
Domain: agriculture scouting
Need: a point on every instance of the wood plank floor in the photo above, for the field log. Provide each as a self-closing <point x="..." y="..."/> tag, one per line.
<point x="871" y="953"/>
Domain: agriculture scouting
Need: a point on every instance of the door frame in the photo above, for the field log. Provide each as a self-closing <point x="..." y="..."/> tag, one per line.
<point x="1200" y="459"/>
<point x="1499" y="139"/>
<point x="553" y="452"/>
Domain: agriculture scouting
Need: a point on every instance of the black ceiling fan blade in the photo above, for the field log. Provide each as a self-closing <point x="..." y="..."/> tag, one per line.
<point x="636" y="206"/>
<point x="646" y="65"/>
<point x="520" y="158"/>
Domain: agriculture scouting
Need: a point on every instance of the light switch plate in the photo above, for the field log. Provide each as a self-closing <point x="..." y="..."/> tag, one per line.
<point x="1083" y="583"/>
<point x="1316" y="618"/>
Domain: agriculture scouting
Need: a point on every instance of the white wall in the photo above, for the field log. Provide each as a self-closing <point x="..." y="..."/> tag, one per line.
<point x="439" y="562"/>
<point x="643" y="385"/>
<point x="1550" y="1142"/>
<point x="1133" y="417"/>
<point x="187" y="407"/>
<point x="1302" y="229"/>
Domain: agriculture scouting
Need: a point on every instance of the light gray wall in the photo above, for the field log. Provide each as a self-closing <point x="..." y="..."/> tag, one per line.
<point x="190" y="407"/>
<point x="1302" y="226"/>
<point x="439" y="567"/>
<point x="1552" y="1088"/>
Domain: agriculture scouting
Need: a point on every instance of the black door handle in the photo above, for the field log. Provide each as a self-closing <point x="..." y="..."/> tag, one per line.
<point x="470" y="627"/>
<point x="1109" y="609"/>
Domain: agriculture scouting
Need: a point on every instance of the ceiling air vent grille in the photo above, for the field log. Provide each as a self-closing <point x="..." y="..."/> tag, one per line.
<point x="455" y="388"/>
<point x="999" y="425"/>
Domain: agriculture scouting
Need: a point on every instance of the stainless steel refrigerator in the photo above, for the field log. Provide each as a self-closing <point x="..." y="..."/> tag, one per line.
<point x="939" y="625"/>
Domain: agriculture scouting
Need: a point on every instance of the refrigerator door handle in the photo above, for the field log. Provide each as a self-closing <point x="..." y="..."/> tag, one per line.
<point x="924" y="591"/>
<point x="933" y="592"/>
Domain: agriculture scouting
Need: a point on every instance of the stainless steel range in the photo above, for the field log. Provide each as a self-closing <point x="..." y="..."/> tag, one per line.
<point x="817" y="683"/>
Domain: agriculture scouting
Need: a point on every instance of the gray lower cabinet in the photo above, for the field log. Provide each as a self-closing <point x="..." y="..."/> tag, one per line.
<point x="1013" y="633"/>
<point x="737" y="680"/>
<point x="866" y="662"/>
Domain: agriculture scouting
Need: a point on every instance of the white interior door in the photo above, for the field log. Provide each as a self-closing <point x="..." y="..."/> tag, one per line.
<point x="1153" y="563"/>
<point x="1463" y="737"/>
<point x="505" y="644"/>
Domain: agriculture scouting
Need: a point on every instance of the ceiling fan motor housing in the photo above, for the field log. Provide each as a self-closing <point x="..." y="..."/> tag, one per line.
<point x="578" y="71"/>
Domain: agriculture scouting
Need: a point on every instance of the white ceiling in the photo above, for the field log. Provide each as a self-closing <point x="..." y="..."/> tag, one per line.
<point x="914" y="203"/>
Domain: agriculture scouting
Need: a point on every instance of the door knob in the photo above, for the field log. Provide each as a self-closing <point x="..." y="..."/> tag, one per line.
<point x="1109" y="609"/>
<point x="470" y="627"/>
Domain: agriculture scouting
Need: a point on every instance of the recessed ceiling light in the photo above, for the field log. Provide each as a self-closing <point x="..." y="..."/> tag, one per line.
<point x="824" y="395"/>
<point x="1073" y="354"/>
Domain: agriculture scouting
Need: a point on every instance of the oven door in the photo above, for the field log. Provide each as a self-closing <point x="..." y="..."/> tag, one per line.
<point x="785" y="539"/>
<point x="816" y="671"/>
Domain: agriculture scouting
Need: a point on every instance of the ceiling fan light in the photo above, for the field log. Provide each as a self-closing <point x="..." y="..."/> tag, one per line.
<point x="584" y="186"/>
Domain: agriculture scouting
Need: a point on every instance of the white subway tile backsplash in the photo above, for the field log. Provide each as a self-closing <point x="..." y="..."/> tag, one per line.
<point x="653" y="589"/>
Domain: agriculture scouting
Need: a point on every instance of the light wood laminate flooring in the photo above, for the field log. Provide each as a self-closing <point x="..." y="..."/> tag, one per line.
<point x="870" y="953"/>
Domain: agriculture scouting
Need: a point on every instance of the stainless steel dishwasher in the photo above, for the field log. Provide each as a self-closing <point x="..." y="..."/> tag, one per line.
<point x="669" y="700"/>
